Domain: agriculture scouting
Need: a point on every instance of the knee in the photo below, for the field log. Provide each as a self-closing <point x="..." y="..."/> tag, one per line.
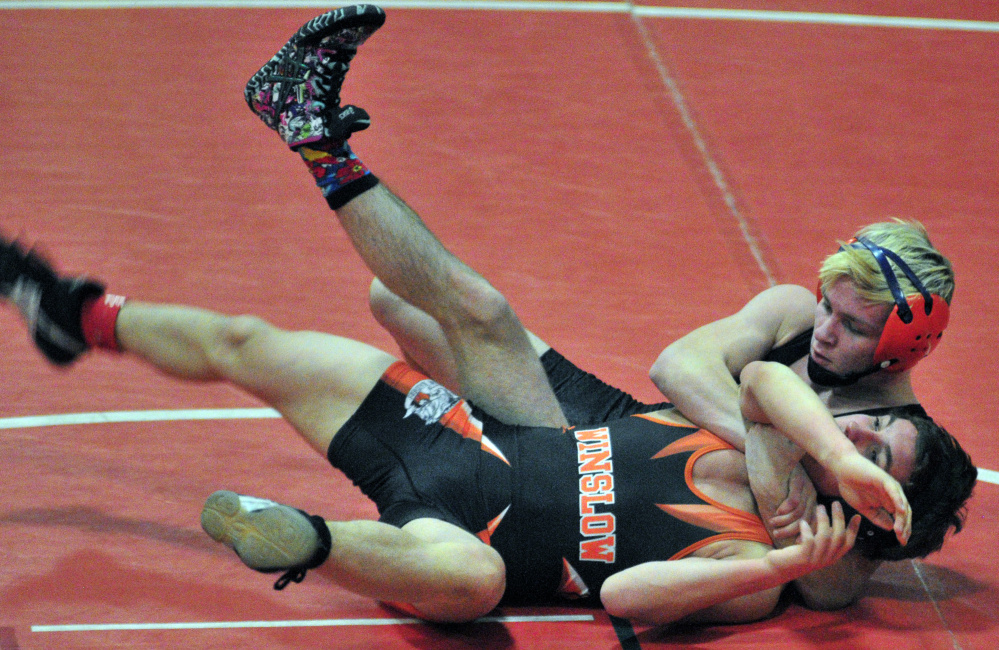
<point x="232" y="336"/>
<point x="383" y="303"/>
<point x="479" y="306"/>
<point x="475" y="590"/>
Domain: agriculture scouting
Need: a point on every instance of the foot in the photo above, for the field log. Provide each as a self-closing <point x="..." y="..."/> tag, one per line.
<point x="267" y="536"/>
<point x="297" y="92"/>
<point x="51" y="305"/>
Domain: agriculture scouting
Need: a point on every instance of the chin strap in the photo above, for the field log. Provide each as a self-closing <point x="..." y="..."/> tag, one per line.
<point x="822" y="377"/>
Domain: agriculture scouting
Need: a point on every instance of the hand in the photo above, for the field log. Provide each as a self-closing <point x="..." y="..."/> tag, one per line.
<point x="874" y="494"/>
<point x="797" y="506"/>
<point x="830" y="542"/>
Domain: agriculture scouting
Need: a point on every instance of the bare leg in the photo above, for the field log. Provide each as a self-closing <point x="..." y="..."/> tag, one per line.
<point x="494" y="362"/>
<point x="421" y="338"/>
<point x="445" y="573"/>
<point x="316" y="381"/>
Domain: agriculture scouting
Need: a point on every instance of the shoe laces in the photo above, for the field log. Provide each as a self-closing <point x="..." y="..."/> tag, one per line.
<point x="304" y="69"/>
<point x="296" y="574"/>
<point x="330" y="71"/>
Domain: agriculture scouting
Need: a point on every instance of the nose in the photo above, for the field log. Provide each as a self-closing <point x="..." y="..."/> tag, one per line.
<point x="858" y="434"/>
<point x="825" y="331"/>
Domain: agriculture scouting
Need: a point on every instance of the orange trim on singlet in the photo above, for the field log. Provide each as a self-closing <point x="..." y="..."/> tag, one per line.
<point x="693" y="442"/>
<point x="728" y="522"/>
<point x="487" y="534"/>
<point x="667" y="422"/>
<point x="401" y="377"/>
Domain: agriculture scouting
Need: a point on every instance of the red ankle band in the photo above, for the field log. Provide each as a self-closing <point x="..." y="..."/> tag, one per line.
<point x="98" y="319"/>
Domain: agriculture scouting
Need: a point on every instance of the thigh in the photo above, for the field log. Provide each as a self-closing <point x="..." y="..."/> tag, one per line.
<point x="316" y="381"/>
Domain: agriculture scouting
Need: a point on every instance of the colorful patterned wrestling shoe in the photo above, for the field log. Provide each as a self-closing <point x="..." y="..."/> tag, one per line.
<point x="297" y="92"/>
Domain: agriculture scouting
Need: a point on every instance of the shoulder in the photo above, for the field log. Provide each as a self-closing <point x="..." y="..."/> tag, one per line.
<point x="788" y="299"/>
<point x="786" y="310"/>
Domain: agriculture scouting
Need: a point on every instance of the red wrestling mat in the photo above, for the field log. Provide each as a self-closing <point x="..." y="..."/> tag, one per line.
<point x="547" y="150"/>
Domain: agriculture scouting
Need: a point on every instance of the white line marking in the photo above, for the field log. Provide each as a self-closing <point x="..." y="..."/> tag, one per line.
<point x="330" y="622"/>
<point x="936" y="605"/>
<point x="33" y="421"/>
<point x="680" y="102"/>
<point x="988" y="476"/>
<point x="851" y="20"/>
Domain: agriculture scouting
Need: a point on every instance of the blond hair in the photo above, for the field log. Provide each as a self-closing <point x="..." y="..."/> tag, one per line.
<point x="907" y="239"/>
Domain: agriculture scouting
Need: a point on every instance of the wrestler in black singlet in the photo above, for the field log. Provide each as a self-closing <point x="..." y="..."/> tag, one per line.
<point x="565" y="509"/>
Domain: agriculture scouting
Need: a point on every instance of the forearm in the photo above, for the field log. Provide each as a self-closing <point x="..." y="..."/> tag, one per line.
<point x="664" y="592"/>
<point x="772" y="393"/>
<point x="772" y="461"/>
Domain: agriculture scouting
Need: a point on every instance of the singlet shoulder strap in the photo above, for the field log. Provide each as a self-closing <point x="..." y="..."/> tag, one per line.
<point x="791" y="351"/>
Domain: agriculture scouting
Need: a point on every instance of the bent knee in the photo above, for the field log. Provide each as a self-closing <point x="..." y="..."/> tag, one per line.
<point x="476" y="588"/>
<point x="479" y="305"/>
<point x="231" y="337"/>
<point x="382" y="302"/>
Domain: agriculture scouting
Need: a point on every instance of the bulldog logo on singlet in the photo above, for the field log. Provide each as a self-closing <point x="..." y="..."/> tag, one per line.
<point x="429" y="400"/>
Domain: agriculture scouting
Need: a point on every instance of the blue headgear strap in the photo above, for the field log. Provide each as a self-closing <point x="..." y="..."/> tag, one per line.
<point x="882" y="255"/>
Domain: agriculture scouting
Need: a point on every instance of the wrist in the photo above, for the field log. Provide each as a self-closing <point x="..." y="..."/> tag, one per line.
<point x="835" y="453"/>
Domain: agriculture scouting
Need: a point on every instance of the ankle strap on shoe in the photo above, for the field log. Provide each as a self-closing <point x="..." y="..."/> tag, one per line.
<point x="297" y="574"/>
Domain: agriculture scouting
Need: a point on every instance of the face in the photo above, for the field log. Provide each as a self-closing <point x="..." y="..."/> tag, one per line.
<point x="888" y="442"/>
<point x="847" y="329"/>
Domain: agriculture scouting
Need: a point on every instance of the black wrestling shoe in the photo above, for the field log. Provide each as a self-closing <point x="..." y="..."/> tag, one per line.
<point x="50" y="305"/>
<point x="267" y="536"/>
<point x="297" y="92"/>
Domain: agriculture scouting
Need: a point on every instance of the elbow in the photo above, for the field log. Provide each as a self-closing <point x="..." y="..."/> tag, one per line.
<point x="753" y="372"/>
<point x="666" y="369"/>
<point x="827" y="602"/>
<point x="614" y="598"/>
<point x="621" y="599"/>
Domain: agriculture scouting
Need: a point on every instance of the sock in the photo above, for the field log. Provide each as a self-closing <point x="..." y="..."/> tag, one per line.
<point x="338" y="172"/>
<point x="98" y="318"/>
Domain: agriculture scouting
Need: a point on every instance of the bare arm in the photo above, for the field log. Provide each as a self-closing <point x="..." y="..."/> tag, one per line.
<point x="772" y="461"/>
<point x="773" y="394"/>
<point x="697" y="372"/>
<point x="731" y="590"/>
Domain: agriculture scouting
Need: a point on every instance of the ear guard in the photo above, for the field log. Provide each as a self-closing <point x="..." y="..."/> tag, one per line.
<point x="916" y="323"/>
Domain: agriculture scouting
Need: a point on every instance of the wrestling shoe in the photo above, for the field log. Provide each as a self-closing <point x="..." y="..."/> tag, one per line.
<point x="267" y="536"/>
<point x="50" y="305"/>
<point x="297" y="92"/>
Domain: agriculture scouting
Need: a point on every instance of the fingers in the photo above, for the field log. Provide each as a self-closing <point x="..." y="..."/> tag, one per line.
<point x="833" y="537"/>
<point x="785" y="526"/>
<point x="823" y="534"/>
<point x="903" y="516"/>
<point x="852" y="530"/>
<point x="787" y="507"/>
<point x="843" y="535"/>
<point x="790" y="531"/>
<point x="880" y="518"/>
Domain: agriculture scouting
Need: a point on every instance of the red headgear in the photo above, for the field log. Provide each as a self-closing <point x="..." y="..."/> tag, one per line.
<point x="916" y="323"/>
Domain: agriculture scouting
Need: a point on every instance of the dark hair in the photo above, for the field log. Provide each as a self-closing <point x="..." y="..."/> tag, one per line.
<point x="938" y="492"/>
